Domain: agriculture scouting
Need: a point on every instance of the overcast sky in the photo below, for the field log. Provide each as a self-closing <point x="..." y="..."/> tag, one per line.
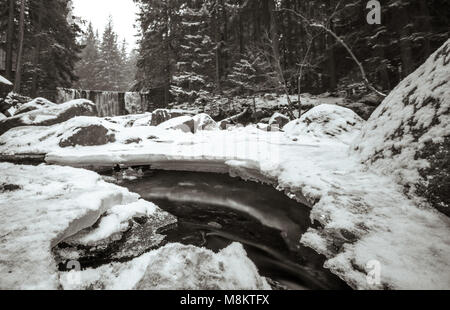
<point x="97" y="11"/>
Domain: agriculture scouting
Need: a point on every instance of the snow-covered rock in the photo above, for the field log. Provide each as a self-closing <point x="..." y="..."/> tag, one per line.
<point x="175" y="267"/>
<point x="50" y="116"/>
<point x="41" y="206"/>
<point x="279" y="120"/>
<point x="35" y="104"/>
<point x="326" y="121"/>
<point x="2" y="116"/>
<point x="204" y="122"/>
<point x="86" y="131"/>
<point x="183" y="123"/>
<point x="408" y="136"/>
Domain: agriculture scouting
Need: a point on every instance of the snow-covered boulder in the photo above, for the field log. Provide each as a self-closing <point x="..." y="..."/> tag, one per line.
<point x="86" y="131"/>
<point x="35" y="104"/>
<point x="78" y="131"/>
<point x="50" y="116"/>
<point x="279" y="120"/>
<point x="175" y="267"/>
<point x="204" y="122"/>
<point x="408" y="136"/>
<point x="326" y="121"/>
<point x="183" y="123"/>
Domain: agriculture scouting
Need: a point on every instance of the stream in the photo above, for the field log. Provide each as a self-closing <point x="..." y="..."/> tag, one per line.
<point x="215" y="210"/>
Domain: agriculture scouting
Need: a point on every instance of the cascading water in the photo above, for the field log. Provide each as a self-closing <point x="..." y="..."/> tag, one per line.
<point x="109" y="103"/>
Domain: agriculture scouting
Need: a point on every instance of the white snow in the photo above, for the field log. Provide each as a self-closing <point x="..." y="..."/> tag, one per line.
<point x="5" y="81"/>
<point x="178" y="123"/>
<point x="2" y="116"/>
<point x="116" y="220"/>
<point x="35" y="104"/>
<point x="50" y="204"/>
<point x="416" y="112"/>
<point x="174" y="267"/>
<point x="326" y="121"/>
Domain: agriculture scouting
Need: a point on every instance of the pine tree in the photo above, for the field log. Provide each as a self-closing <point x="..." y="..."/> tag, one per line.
<point x="87" y="68"/>
<point x="110" y="69"/>
<point x="195" y="67"/>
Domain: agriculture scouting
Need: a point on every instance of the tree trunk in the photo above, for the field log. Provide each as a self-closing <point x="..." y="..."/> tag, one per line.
<point x="19" y="56"/>
<point x="37" y="50"/>
<point x="405" y="43"/>
<point x="9" y="41"/>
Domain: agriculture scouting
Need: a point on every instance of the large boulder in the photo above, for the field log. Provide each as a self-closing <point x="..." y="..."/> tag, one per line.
<point x="86" y="131"/>
<point x="51" y="115"/>
<point x="204" y="122"/>
<point x="408" y="136"/>
<point x="326" y="121"/>
<point x="279" y="120"/>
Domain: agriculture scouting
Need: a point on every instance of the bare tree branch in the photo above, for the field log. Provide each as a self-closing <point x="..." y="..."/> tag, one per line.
<point x="339" y="40"/>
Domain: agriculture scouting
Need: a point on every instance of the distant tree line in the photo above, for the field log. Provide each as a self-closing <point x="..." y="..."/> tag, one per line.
<point x="196" y="48"/>
<point x="105" y="63"/>
<point x="46" y="48"/>
<point x="40" y="44"/>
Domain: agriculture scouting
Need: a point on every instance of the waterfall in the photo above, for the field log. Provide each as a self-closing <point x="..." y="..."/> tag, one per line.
<point x="109" y="103"/>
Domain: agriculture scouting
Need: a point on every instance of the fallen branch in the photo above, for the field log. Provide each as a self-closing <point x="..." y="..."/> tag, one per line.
<point x="233" y="119"/>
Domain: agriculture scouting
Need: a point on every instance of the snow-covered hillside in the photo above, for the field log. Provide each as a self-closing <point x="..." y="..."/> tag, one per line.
<point x="408" y="136"/>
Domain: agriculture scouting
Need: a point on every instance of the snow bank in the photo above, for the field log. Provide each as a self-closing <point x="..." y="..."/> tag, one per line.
<point x="408" y="136"/>
<point x="326" y="121"/>
<point x="41" y="206"/>
<point x="174" y="267"/>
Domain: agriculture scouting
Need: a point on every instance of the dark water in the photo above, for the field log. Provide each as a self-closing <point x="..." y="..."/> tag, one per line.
<point x="215" y="210"/>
